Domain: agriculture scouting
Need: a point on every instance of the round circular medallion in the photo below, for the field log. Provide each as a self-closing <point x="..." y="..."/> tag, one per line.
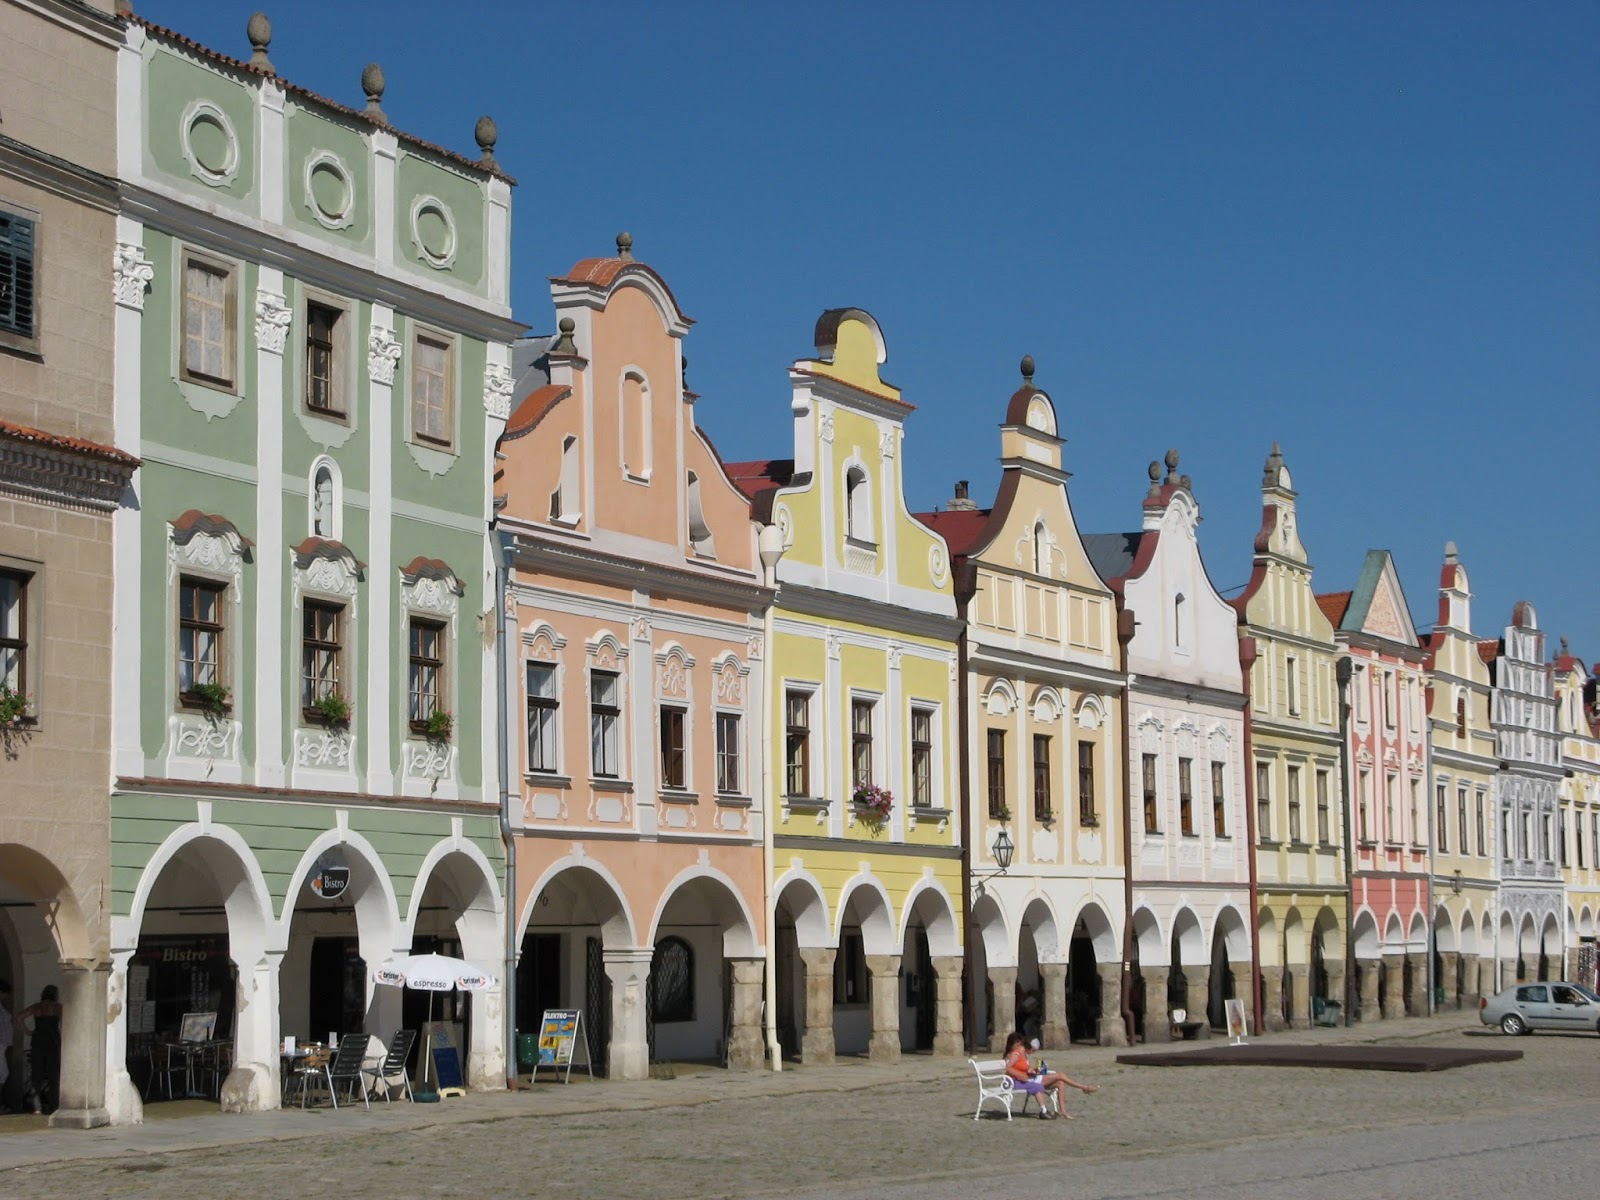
<point x="328" y="190"/>
<point x="209" y="143"/>
<point x="434" y="231"/>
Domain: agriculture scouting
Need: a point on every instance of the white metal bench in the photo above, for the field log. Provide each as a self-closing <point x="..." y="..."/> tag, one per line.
<point x="994" y="1084"/>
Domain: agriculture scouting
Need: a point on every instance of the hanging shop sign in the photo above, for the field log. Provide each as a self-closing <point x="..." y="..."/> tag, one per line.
<point x="330" y="875"/>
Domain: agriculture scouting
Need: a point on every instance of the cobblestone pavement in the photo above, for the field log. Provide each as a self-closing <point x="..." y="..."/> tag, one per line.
<point x="859" y="1129"/>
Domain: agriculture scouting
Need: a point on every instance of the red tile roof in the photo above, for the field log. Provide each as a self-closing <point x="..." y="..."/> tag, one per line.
<point x="756" y="475"/>
<point x="603" y="272"/>
<point x="959" y="527"/>
<point x="533" y="409"/>
<point x="236" y="64"/>
<point x="1333" y="606"/>
<point x="1489" y="650"/>
<point x="70" y="445"/>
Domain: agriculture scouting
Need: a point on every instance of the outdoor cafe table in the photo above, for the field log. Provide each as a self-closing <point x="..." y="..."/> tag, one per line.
<point x="193" y="1053"/>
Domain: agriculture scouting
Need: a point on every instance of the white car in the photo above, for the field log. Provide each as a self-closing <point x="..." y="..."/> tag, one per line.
<point x="1553" y="1005"/>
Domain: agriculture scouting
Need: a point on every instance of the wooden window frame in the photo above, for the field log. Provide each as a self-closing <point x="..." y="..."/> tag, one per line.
<point x="1292" y="796"/>
<point x="1087" y="812"/>
<point x="922" y="757"/>
<point x="729" y="729"/>
<point x="672" y="725"/>
<point x="1043" y="810"/>
<point x="861" y="750"/>
<point x="1186" y="796"/>
<point x="537" y="708"/>
<point x="23" y="262"/>
<point x="797" y="743"/>
<point x="447" y="344"/>
<point x="995" y="749"/>
<point x="1149" y="779"/>
<point x="337" y="408"/>
<point x="229" y="271"/>
<point x="606" y="718"/>
<point x="1324" y="817"/>
<point x="420" y="662"/>
<point x="217" y="628"/>
<point x="1219" y="799"/>
<point x="312" y="646"/>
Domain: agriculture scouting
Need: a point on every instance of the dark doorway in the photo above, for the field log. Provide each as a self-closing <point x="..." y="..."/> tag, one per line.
<point x="1221" y="989"/>
<point x="1083" y="992"/>
<point x="538" y="979"/>
<point x="920" y="991"/>
<point x="338" y="1000"/>
<point x="597" y="1004"/>
<point x="788" y="952"/>
<point x="1319" y="969"/>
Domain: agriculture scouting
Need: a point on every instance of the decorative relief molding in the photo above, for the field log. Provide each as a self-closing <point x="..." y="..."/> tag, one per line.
<point x="383" y="355"/>
<point x="200" y="737"/>
<point x="894" y="656"/>
<point x="833" y="644"/>
<point x="753" y="648"/>
<point x="273" y="315"/>
<point x="429" y="760"/>
<point x="886" y="443"/>
<point x="131" y="275"/>
<point x="497" y="385"/>
<point x="784" y="520"/>
<point x="642" y="630"/>
<point x="825" y="426"/>
<point x="324" y="749"/>
<point x="31" y="469"/>
<point x="938" y="566"/>
<point x="433" y="596"/>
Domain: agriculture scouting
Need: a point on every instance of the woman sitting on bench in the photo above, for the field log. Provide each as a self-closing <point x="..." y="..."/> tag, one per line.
<point x="1024" y="1079"/>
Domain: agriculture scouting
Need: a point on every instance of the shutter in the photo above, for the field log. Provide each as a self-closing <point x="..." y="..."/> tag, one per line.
<point x="16" y="274"/>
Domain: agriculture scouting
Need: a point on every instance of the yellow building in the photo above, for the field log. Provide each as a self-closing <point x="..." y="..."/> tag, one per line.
<point x="866" y="850"/>
<point x="1301" y="922"/>
<point x="1043" y="703"/>
<point x="1465" y="880"/>
<point x="1578" y="719"/>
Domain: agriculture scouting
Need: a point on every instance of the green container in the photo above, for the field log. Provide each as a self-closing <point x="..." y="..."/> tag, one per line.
<point x="527" y="1049"/>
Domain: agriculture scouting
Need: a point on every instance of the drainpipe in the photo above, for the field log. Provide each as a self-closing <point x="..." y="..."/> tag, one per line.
<point x="1247" y="660"/>
<point x="1342" y="672"/>
<point x="1125" y="627"/>
<point x="964" y="791"/>
<point x="769" y="544"/>
<point x="508" y="627"/>
<point x="1433" y="835"/>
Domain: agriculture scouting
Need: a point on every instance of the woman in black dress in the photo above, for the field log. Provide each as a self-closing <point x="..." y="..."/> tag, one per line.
<point x="44" y="1062"/>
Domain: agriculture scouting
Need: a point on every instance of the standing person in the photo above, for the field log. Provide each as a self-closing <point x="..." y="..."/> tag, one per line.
<point x="44" y="1063"/>
<point x="7" y="1035"/>
<point x="1023" y="1077"/>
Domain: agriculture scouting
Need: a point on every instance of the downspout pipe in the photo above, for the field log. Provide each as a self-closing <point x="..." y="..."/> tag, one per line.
<point x="966" y="580"/>
<point x="769" y="545"/>
<point x="1247" y="662"/>
<point x="508" y="626"/>
<point x="1342" y="673"/>
<point x="1125" y="628"/>
<point x="1434" y="816"/>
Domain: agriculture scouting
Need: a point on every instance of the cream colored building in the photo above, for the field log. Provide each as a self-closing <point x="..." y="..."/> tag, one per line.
<point x="60" y="479"/>
<point x="1578" y="720"/>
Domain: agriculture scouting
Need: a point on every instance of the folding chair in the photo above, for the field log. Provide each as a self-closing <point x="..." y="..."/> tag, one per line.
<point x="392" y="1074"/>
<point x="345" y="1069"/>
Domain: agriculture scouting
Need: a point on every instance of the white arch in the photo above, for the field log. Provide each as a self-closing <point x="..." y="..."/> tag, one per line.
<point x="1006" y="694"/>
<point x="1469" y="935"/>
<point x="1046" y="704"/>
<point x="1102" y="930"/>
<point x="1444" y="933"/>
<point x="1091" y="712"/>
<point x="813" y="926"/>
<point x="333" y="528"/>
<point x="1047" y="941"/>
<point x="1364" y="934"/>
<point x="1417" y="936"/>
<point x="994" y="929"/>
<point x="584" y="863"/>
<point x="739" y="937"/>
<point x="441" y="850"/>
<point x="125" y="930"/>
<point x="1585" y="925"/>
<point x="1193" y="948"/>
<point x="323" y="842"/>
<point x="877" y="930"/>
<point x="1269" y="937"/>
<point x="941" y="926"/>
<point x="1234" y="928"/>
<point x="1155" y="946"/>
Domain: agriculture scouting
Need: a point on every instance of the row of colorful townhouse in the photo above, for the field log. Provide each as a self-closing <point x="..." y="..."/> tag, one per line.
<point x="343" y="621"/>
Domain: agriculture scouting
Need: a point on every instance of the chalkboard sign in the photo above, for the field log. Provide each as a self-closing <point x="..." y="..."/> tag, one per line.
<point x="447" y="1071"/>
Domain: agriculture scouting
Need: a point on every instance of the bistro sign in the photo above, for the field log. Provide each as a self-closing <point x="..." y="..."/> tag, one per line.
<point x="330" y="876"/>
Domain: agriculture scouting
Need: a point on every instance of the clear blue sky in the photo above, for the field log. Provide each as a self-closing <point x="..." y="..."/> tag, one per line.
<point x="1370" y="231"/>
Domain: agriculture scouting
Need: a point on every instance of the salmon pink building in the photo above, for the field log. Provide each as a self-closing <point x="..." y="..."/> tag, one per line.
<point x="634" y="614"/>
<point x="1387" y="751"/>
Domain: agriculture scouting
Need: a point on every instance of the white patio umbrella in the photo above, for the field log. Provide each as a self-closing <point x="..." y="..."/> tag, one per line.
<point x="433" y="973"/>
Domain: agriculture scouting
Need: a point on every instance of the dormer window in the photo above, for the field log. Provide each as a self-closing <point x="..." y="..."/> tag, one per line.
<point x="858" y="506"/>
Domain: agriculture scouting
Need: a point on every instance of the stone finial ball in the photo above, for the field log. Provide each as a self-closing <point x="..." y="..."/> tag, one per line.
<point x="1155" y="472"/>
<point x="1172" y="460"/>
<point x="1027" y="367"/>
<point x="624" y="244"/>
<point x="566" y="325"/>
<point x="486" y="133"/>
<point x="372" y="81"/>
<point x="259" y="30"/>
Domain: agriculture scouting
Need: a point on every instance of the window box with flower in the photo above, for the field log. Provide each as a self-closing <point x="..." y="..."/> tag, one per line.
<point x="213" y="699"/>
<point x="330" y="709"/>
<point x="872" y="804"/>
<point x="437" y="726"/>
<point x="14" y="705"/>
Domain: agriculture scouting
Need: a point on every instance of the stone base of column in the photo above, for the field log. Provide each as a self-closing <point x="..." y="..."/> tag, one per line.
<point x="1272" y="1018"/>
<point x="884" y="1044"/>
<point x="1420" y="1000"/>
<point x="1157" y="1017"/>
<point x="1200" y="998"/>
<point x="816" y="1047"/>
<point x="1003" y="982"/>
<point x="1111" y="1029"/>
<point x="1300" y="997"/>
<point x="1469" y="981"/>
<point x="79" y="1118"/>
<point x="1394" y="987"/>
<point x="249" y="1088"/>
<point x="947" y="1037"/>
<point x="746" y="1050"/>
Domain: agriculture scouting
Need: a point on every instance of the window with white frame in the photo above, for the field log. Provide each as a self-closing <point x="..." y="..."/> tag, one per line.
<point x="16" y="658"/>
<point x="544" y="709"/>
<point x="1291" y="673"/>
<point x="858" y="506"/>
<point x="728" y="760"/>
<point x="1264" y="801"/>
<point x="1294" y="802"/>
<point x="1364" y="808"/>
<point x="1414" y="811"/>
<point x="433" y="390"/>
<point x="1186" y="796"/>
<point x="673" y="720"/>
<point x="210" y="306"/>
<point x="1324" y="830"/>
<point x="797" y="742"/>
<point x="922" y="758"/>
<point x="1152" y="807"/>
<point x="1442" y="816"/>
<point x="321" y="659"/>
<point x="1219" y="798"/>
<point x="425" y="673"/>
<point x="605" y="720"/>
<point x="861" y="718"/>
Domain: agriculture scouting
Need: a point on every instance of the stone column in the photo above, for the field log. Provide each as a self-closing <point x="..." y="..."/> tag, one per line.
<point x="82" y="1102"/>
<point x="1420" y="1000"/>
<point x="1335" y="972"/>
<point x="628" y="1056"/>
<point x="1157" y="1016"/>
<point x="253" y="1084"/>
<point x="1469" y="980"/>
<point x="1199" y="977"/>
<point x="1530" y="967"/>
<point x="1300" y="997"/>
<point x="1242" y="989"/>
<point x="1053" y="1034"/>
<point x="884" y="1045"/>
<point x="816" y="1043"/>
<point x="1487" y="983"/>
<point x="1369" y="989"/>
<point x="948" y="1041"/>
<point x="1272" y="1018"/>
<point x="1447" y="977"/>
<point x="1111" y="1030"/>
<point x="1394" y="983"/>
<point x="122" y="1100"/>
<point x="746" y="1051"/>
<point x="1003" y="980"/>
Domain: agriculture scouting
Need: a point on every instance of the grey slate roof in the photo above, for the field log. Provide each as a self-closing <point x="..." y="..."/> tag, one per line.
<point x="529" y="369"/>
<point x="1111" y="553"/>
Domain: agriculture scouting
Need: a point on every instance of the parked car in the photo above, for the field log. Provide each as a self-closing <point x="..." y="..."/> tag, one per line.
<point x="1553" y="1005"/>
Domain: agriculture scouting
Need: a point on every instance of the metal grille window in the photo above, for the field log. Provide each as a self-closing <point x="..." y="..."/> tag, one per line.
<point x="430" y="391"/>
<point x="208" y="322"/>
<point x="14" y="630"/>
<point x="1294" y="804"/>
<point x="728" y="753"/>
<point x="672" y="981"/>
<point x="322" y="392"/>
<point x="860" y="743"/>
<point x="199" y="634"/>
<point x="320" y="651"/>
<point x="1219" y="800"/>
<point x="18" y="238"/>
<point x="1322" y="808"/>
<point x="1151" y="804"/>
<point x="797" y="743"/>
<point x="605" y="714"/>
<point x="1264" y="801"/>
<point x="673" y="723"/>
<point x="1041" y="777"/>
<point x="1186" y="796"/>
<point x="1086" y="807"/>
<point x="426" y="677"/>
<point x="922" y="757"/>
<point x="543" y="708"/>
<point x="997" y="772"/>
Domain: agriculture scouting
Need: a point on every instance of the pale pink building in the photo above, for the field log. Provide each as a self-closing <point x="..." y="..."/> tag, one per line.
<point x="637" y="599"/>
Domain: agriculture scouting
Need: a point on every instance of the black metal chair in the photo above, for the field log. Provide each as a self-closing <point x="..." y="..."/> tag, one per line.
<point x="395" y="1063"/>
<point x="345" y="1069"/>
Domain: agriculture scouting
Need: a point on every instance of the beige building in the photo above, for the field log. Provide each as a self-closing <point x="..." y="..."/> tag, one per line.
<point x="60" y="479"/>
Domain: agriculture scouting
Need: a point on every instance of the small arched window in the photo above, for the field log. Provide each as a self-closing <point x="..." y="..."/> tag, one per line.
<point x="324" y="503"/>
<point x="564" y="500"/>
<point x="672" y="981"/>
<point x="1041" y="550"/>
<point x="858" y="506"/>
<point x="699" y="532"/>
<point x="1180" y="614"/>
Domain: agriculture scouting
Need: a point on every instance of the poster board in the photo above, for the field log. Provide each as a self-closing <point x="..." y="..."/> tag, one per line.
<point x="1236" y="1025"/>
<point x="559" y="1042"/>
<point x="445" y="1058"/>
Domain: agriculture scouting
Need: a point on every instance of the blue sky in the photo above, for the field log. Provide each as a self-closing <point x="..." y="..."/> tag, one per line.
<point x="1368" y="231"/>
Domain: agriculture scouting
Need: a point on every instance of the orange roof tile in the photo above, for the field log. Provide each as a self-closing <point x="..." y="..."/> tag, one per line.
<point x="72" y="445"/>
<point x="532" y="410"/>
<point x="1333" y="606"/>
